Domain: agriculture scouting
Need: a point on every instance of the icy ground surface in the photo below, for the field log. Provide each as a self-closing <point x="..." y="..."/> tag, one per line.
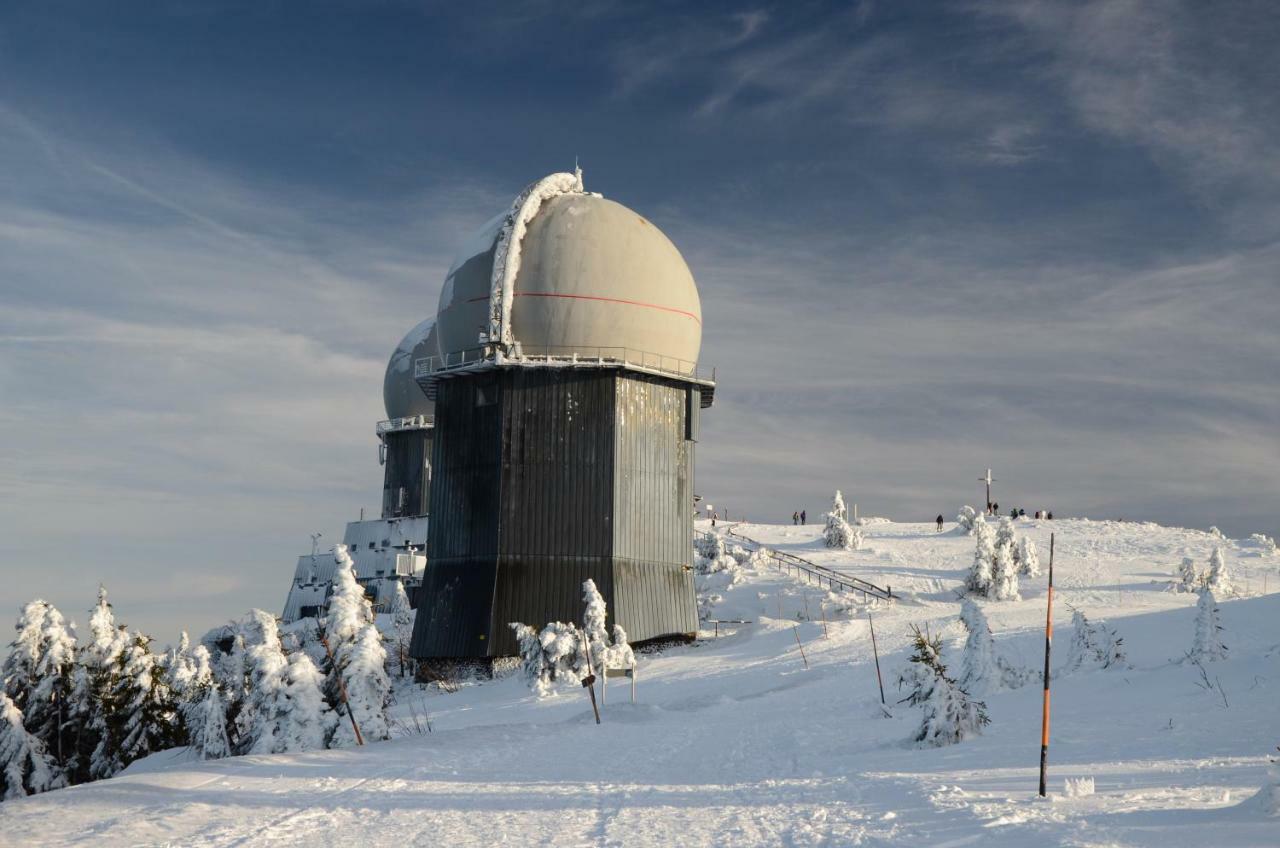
<point x="734" y="742"/>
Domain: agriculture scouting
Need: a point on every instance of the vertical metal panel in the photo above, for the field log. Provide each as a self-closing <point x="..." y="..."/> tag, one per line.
<point x="408" y="458"/>
<point x="454" y="600"/>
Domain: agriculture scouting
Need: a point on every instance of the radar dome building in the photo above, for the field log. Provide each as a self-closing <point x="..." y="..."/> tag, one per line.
<point x="567" y="398"/>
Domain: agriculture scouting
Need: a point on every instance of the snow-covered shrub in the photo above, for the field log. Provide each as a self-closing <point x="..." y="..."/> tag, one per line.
<point x="1028" y="557"/>
<point x="359" y="657"/>
<point x="25" y="766"/>
<point x="605" y="652"/>
<point x="1218" y="579"/>
<point x="839" y="535"/>
<point x="1006" y="536"/>
<point x="554" y="655"/>
<point x="980" y="573"/>
<point x="950" y="715"/>
<point x="1208" y="645"/>
<point x="982" y="669"/>
<point x="1093" y="645"/>
<point x="968" y="515"/>
<point x="1077" y="787"/>
<point x="1265" y="544"/>
<point x="1189" y="577"/>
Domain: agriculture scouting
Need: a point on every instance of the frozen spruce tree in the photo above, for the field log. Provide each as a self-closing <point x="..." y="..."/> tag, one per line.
<point x="1028" y="558"/>
<point x="1006" y="536"/>
<point x="96" y="679"/>
<point x="51" y="715"/>
<point x="968" y="515"/>
<point x="1208" y="645"/>
<point x="145" y="716"/>
<point x="1093" y="645"/>
<point x="267" y="703"/>
<point x="982" y="669"/>
<point x="402" y="615"/>
<point x="1004" y="576"/>
<point x="950" y="715"/>
<point x="980" y="573"/>
<point x="838" y="506"/>
<point x="203" y="712"/>
<point x="605" y="652"/>
<point x="838" y="533"/>
<point x="19" y="667"/>
<point x="25" y="767"/>
<point x="309" y="721"/>
<point x="1218" y="580"/>
<point x="359" y="658"/>
<point x="1189" y="577"/>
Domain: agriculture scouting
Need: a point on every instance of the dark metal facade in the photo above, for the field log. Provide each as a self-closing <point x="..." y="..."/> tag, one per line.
<point x="406" y="479"/>
<point x="542" y="478"/>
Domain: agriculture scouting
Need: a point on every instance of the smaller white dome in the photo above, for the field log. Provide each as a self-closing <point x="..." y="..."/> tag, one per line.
<point x="401" y="394"/>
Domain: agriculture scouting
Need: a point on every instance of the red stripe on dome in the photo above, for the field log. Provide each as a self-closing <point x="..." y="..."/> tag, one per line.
<point x="589" y="297"/>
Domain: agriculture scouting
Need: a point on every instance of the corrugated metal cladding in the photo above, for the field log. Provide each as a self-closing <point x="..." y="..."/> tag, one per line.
<point x="406" y="479"/>
<point x="542" y="478"/>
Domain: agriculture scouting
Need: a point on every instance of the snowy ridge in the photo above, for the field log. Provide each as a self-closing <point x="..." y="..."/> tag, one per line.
<point x="735" y="741"/>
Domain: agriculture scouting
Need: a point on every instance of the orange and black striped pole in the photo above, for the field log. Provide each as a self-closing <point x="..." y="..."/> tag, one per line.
<point x="1048" y="645"/>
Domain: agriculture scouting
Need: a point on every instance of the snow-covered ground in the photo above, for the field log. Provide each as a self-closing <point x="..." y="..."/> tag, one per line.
<point x="735" y="742"/>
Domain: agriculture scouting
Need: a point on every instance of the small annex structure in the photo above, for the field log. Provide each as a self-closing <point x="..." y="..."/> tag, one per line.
<point x="567" y="396"/>
<point x="388" y="552"/>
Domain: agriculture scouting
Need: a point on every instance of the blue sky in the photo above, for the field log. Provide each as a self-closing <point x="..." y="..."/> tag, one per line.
<point x="930" y="238"/>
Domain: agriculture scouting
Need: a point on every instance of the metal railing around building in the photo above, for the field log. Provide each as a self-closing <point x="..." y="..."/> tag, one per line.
<point x="813" y="572"/>
<point x="565" y="355"/>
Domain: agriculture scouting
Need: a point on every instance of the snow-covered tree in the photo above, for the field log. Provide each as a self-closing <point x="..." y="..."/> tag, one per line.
<point x="145" y="718"/>
<point x="402" y="615"/>
<point x="1190" y="579"/>
<point x="982" y="668"/>
<point x="1218" y="580"/>
<point x="838" y="507"/>
<point x="839" y="535"/>
<point x="51" y="715"/>
<point x="19" y="669"/>
<point x="554" y="655"/>
<point x="1028" y="557"/>
<point x="966" y="518"/>
<point x="309" y="721"/>
<point x="950" y="715"/>
<point x="605" y="653"/>
<point x="267" y="702"/>
<point x="1004" y="576"/>
<point x="1006" y="536"/>
<point x="1093" y="645"/>
<point x="1208" y="645"/>
<point x="203" y="711"/>
<point x="984" y="555"/>
<point x="94" y="697"/>
<point x="25" y="767"/>
<point x="359" y="657"/>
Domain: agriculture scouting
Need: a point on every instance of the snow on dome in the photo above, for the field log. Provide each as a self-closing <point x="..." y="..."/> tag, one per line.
<point x="401" y="395"/>
<point x="587" y="276"/>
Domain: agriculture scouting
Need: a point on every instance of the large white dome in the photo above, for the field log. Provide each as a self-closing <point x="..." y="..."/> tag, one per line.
<point x="594" y="278"/>
<point x="401" y="395"/>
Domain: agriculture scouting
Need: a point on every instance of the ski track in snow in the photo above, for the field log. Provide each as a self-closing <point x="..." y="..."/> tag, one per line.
<point x="734" y="742"/>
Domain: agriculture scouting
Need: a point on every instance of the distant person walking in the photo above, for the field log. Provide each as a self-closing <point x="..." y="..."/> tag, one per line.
<point x="795" y="517"/>
<point x="802" y="517"/>
<point x="939" y="523"/>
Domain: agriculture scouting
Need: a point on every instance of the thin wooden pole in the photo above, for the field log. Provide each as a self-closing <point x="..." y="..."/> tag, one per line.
<point x="876" y="651"/>
<point x="796" y="631"/>
<point x="342" y="690"/>
<point x="825" y="635"/>
<point x="589" y="682"/>
<point x="1048" y="646"/>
